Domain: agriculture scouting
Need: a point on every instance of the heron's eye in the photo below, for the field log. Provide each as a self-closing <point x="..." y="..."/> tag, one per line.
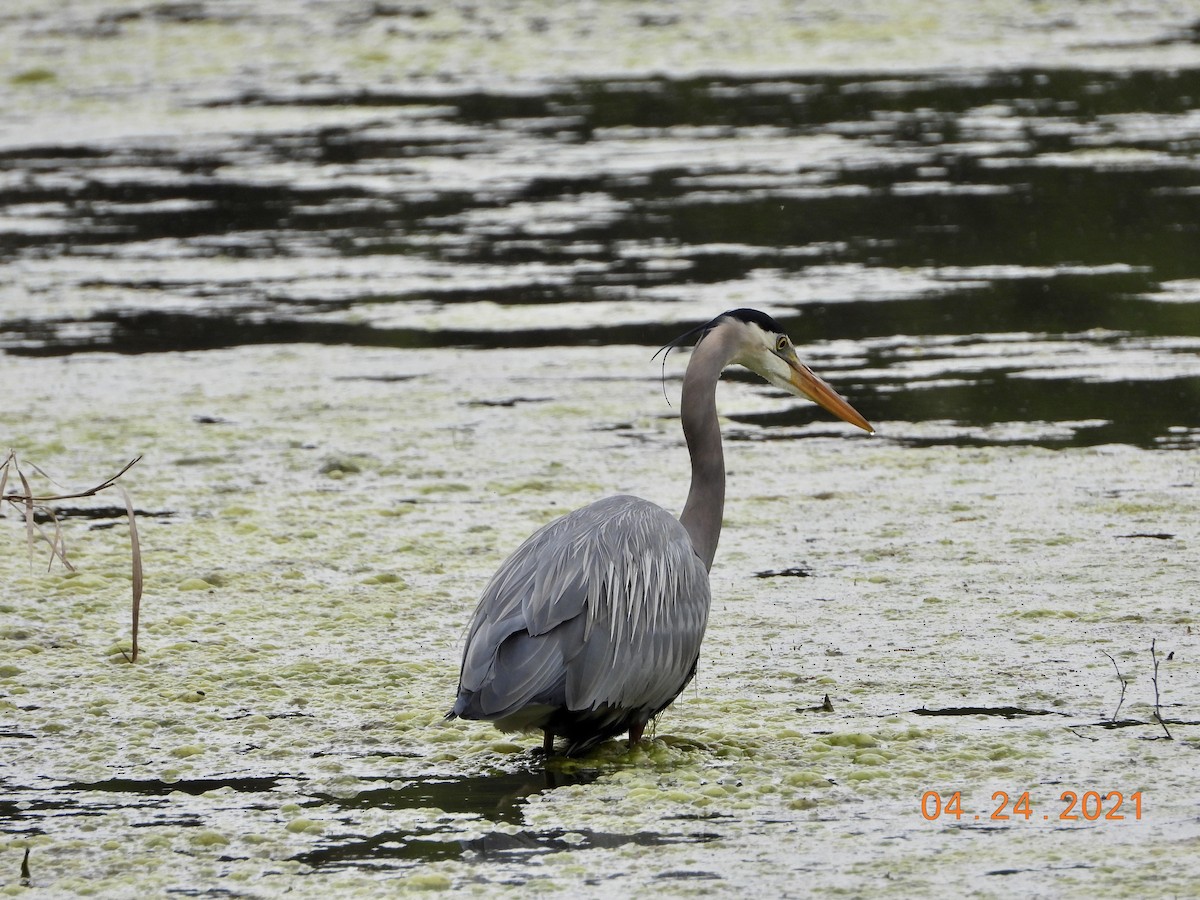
<point x="781" y="344"/>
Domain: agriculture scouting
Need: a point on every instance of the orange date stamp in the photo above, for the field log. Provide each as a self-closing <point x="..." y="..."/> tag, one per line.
<point x="1073" y="806"/>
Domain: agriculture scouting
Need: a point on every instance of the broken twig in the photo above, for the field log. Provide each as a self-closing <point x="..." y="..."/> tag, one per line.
<point x="1124" y="684"/>
<point x="1154" y="680"/>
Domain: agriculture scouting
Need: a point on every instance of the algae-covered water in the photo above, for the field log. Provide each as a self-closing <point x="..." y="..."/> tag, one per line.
<point x="374" y="288"/>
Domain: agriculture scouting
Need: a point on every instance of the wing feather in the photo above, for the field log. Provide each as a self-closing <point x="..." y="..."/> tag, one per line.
<point x="604" y="607"/>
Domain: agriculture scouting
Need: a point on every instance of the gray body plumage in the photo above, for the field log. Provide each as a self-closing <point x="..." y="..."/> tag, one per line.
<point x="593" y="625"/>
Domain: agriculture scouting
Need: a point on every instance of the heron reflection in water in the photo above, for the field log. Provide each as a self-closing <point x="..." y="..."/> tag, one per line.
<point x="592" y="627"/>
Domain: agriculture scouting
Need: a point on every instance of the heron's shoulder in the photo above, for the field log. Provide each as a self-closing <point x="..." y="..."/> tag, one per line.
<point x="629" y="504"/>
<point x="621" y="521"/>
<point x="627" y="510"/>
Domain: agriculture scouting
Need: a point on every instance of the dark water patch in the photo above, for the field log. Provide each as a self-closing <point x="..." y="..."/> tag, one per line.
<point x="160" y="332"/>
<point x="508" y="402"/>
<point x="1120" y="723"/>
<point x="698" y="817"/>
<point x="498" y="797"/>
<point x="279" y="715"/>
<point x="388" y="849"/>
<point x="1048" y="215"/>
<point x="1004" y="408"/>
<point x="790" y="572"/>
<point x="382" y="379"/>
<point x="1041" y="870"/>
<point x="154" y="787"/>
<point x="149" y="802"/>
<point x="824" y="100"/>
<point x="1156" y="724"/>
<point x="810" y="100"/>
<point x="486" y="798"/>
<point x="466" y="105"/>
<point x="491" y="798"/>
<point x="688" y="875"/>
<point x="61" y="513"/>
<point x="1004" y="712"/>
<point x="111" y="22"/>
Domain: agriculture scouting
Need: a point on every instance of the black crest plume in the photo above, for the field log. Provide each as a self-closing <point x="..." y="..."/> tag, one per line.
<point x="744" y="314"/>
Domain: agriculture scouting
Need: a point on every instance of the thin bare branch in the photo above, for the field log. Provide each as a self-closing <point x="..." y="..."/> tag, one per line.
<point x="28" y="497"/>
<point x="1154" y="679"/>
<point x="1124" y="684"/>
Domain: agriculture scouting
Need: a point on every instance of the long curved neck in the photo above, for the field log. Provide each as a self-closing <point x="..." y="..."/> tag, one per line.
<point x="705" y="505"/>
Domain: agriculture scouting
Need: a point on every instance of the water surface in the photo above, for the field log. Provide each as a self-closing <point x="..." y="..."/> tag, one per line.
<point x="1003" y="257"/>
<point x="375" y="288"/>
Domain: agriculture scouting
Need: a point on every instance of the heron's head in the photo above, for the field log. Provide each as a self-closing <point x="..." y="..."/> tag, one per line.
<point x="763" y="347"/>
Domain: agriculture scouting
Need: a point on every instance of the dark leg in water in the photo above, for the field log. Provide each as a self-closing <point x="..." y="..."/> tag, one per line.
<point x="548" y="743"/>
<point x="635" y="733"/>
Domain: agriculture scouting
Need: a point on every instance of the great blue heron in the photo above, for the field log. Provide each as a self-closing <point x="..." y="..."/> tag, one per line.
<point x="593" y="626"/>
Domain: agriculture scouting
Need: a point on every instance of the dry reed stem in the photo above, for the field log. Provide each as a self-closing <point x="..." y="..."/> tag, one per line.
<point x="135" y="552"/>
<point x="27" y="502"/>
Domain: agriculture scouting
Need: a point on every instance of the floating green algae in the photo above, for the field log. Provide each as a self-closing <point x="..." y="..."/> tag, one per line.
<point x="331" y="529"/>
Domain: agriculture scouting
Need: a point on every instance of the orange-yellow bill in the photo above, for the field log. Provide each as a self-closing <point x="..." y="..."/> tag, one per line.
<point x="815" y="389"/>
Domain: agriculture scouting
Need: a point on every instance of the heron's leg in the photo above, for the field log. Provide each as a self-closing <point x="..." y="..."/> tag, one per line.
<point x="635" y="733"/>
<point x="548" y="743"/>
